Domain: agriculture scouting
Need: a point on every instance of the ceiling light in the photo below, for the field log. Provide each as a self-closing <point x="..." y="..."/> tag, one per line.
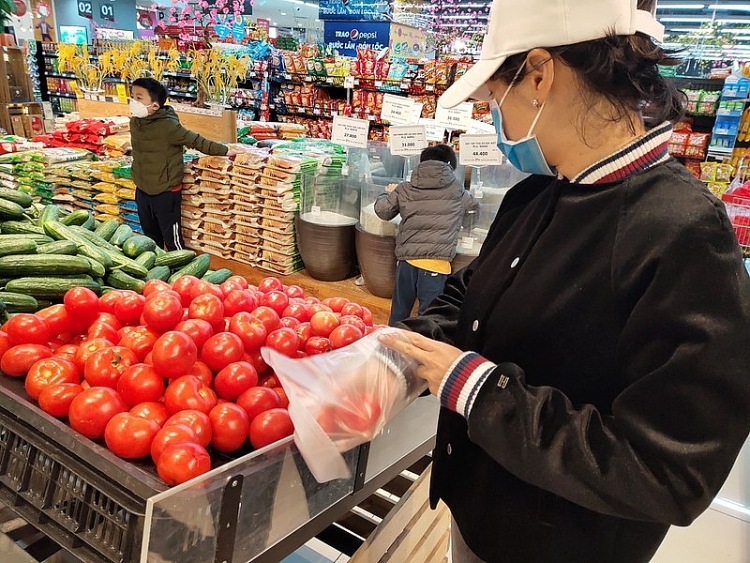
<point x="660" y="7"/>
<point x="686" y="19"/>
<point x="728" y="7"/>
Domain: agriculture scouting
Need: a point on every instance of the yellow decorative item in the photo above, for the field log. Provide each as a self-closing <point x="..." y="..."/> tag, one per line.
<point x="216" y="73"/>
<point x="76" y="60"/>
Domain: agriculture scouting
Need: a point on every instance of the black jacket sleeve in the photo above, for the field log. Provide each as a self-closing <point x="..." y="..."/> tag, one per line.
<point x="676" y="428"/>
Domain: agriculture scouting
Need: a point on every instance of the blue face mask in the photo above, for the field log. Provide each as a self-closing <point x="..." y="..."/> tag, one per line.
<point x="526" y="154"/>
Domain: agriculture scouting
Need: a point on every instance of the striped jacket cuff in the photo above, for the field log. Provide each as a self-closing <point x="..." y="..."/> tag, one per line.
<point x="462" y="383"/>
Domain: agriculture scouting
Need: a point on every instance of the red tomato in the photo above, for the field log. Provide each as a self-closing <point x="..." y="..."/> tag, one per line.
<point x="104" y="367"/>
<point x="129" y="307"/>
<point x="238" y="300"/>
<point x="257" y="400"/>
<point x="284" y="341"/>
<point x="181" y="462"/>
<point x="276" y="300"/>
<point x="109" y="318"/>
<point x="171" y="434"/>
<point x="317" y="308"/>
<point x="196" y="420"/>
<point x="197" y="329"/>
<point x="189" y="393"/>
<point x="270" y="381"/>
<point x="311" y="300"/>
<point x="270" y="284"/>
<point x="304" y="332"/>
<point x="269" y="317"/>
<point x="140" y="383"/>
<point x="67" y="351"/>
<point x="344" y="335"/>
<point x="49" y="371"/>
<point x="58" y="318"/>
<point x="17" y="360"/>
<point x="353" y="320"/>
<point x="294" y="291"/>
<point x="221" y="350"/>
<point x="182" y="285"/>
<point x="336" y="303"/>
<point x="162" y="311"/>
<point x="139" y="339"/>
<point x="282" y="396"/>
<point x="323" y="323"/>
<point x="367" y="316"/>
<point x="82" y="304"/>
<point x="250" y="329"/>
<point x="153" y="410"/>
<point x="26" y="328"/>
<point x="317" y="345"/>
<point x="130" y="436"/>
<point x="155" y="286"/>
<point x="256" y="359"/>
<point x="174" y="353"/>
<point x="235" y="379"/>
<point x="108" y="300"/>
<point x="269" y="427"/>
<point x="209" y="308"/>
<point x="102" y="330"/>
<point x="297" y="311"/>
<point x="353" y="308"/>
<point x="4" y="343"/>
<point x="289" y="322"/>
<point x="92" y="409"/>
<point x="239" y="281"/>
<point x="229" y="427"/>
<point x="202" y="287"/>
<point x="55" y="399"/>
<point x="360" y="416"/>
<point x="202" y="372"/>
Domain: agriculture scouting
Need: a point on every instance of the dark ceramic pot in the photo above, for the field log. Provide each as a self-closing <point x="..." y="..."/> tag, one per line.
<point x="377" y="262"/>
<point x="328" y="251"/>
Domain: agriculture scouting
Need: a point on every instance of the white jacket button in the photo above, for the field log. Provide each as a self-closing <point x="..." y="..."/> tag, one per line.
<point x="475" y="326"/>
<point x="449" y="449"/>
<point x="515" y="262"/>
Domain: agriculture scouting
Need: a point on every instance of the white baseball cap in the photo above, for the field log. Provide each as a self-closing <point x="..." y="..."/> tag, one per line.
<point x="517" y="26"/>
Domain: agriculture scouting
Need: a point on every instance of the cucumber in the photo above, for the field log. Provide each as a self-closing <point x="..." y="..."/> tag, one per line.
<point x="58" y="231"/>
<point x="159" y="273"/>
<point x="97" y="269"/>
<point x="39" y="239"/>
<point x="10" y="210"/>
<point x="137" y="244"/>
<point x="159" y="251"/>
<point x="197" y="267"/>
<point x="50" y="287"/>
<point x="120" y="280"/>
<point x="21" y="198"/>
<point x="119" y="260"/>
<point x="77" y="217"/>
<point x="42" y="265"/>
<point x="123" y="233"/>
<point x="107" y="229"/>
<point x="58" y="247"/>
<point x="17" y="246"/>
<point x="96" y="239"/>
<point x="18" y="302"/>
<point x="175" y="258"/>
<point x="20" y="228"/>
<point x="89" y="224"/>
<point x="146" y="259"/>
<point x="219" y="276"/>
<point x="49" y="213"/>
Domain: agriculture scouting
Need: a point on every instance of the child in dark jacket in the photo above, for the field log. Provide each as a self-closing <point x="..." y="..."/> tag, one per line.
<point x="158" y="141"/>
<point x="432" y="207"/>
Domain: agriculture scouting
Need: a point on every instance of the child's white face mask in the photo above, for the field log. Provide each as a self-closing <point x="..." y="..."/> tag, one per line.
<point x="138" y="109"/>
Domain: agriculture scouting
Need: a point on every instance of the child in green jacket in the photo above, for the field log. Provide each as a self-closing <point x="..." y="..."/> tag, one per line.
<point x="158" y="140"/>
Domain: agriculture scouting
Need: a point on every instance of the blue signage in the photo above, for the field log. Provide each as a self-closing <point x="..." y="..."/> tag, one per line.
<point x="354" y="10"/>
<point x="345" y="37"/>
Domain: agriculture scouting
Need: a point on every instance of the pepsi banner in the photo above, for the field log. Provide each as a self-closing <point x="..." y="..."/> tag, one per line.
<point x="345" y="37"/>
<point x="354" y="10"/>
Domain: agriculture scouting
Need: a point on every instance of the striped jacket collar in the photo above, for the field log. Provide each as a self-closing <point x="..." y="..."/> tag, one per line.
<point x="643" y="153"/>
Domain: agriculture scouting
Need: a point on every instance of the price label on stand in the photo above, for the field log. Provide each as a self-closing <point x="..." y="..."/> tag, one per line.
<point x="417" y="112"/>
<point x="122" y="93"/>
<point x="407" y="140"/>
<point x="479" y="150"/>
<point x="480" y="128"/>
<point x="348" y="82"/>
<point x="434" y="131"/>
<point x="455" y="118"/>
<point x="350" y="131"/>
<point x="397" y="110"/>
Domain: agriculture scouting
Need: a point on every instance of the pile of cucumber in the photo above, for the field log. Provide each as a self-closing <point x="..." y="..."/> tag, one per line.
<point x="44" y="251"/>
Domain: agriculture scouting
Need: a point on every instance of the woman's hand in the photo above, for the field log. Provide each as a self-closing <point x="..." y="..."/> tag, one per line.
<point x="390" y="187"/>
<point x="435" y="358"/>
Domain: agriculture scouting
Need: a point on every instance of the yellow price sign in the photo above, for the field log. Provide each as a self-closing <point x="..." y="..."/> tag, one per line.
<point x="122" y="93"/>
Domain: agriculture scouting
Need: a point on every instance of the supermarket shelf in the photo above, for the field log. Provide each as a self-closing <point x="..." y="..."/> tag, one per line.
<point x="59" y="75"/>
<point x="63" y="95"/>
<point x="182" y="95"/>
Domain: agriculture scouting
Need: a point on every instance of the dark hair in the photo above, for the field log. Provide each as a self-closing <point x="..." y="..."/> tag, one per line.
<point x="621" y="69"/>
<point x="156" y="90"/>
<point x="443" y="153"/>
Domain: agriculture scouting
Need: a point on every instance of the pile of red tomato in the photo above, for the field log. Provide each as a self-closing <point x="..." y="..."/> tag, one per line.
<point x="176" y="370"/>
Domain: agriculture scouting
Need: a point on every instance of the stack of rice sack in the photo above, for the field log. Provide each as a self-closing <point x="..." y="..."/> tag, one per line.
<point x="111" y="193"/>
<point x="245" y="176"/>
<point x="90" y="134"/>
<point x="207" y="223"/>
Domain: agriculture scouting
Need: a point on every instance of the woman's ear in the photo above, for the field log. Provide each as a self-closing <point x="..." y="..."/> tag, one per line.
<point x="540" y="70"/>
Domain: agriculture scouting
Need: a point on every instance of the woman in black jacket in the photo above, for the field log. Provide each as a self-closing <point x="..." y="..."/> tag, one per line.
<point x="593" y="363"/>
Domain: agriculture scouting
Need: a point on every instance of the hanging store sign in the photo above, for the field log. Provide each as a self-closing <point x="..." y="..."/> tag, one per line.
<point x="107" y="11"/>
<point x="85" y="9"/>
<point x="354" y="10"/>
<point x="346" y="37"/>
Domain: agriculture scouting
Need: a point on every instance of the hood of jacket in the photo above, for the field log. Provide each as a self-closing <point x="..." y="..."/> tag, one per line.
<point x="432" y="175"/>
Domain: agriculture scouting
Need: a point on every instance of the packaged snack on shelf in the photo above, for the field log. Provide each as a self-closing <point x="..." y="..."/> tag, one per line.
<point x="694" y="166"/>
<point x="708" y="102"/>
<point x="696" y="145"/>
<point x="724" y="172"/>
<point x="708" y="171"/>
<point x="717" y="188"/>
<point x="678" y="143"/>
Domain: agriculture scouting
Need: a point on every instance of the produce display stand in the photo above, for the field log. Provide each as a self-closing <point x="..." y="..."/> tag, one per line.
<point x="256" y="508"/>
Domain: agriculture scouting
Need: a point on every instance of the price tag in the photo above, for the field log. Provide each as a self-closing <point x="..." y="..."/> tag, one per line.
<point x="348" y="82"/>
<point x="397" y="110"/>
<point x="458" y="117"/>
<point x="467" y="243"/>
<point x="479" y="150"/>
<point x="480" y="128"/>
<point x="417" y="112"/>
<point x="315" y="209"/>
<point x="406" y="140"/>
<point x="350" y="132"/>
<point x="378" y="84"/>
<point x="435" y="132"/>
<point x="122" y="93"/>
<point x="329" y="80"/>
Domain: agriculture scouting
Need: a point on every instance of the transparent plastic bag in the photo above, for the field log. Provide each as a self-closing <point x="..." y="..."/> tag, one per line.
<point x="344" y="398"/>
